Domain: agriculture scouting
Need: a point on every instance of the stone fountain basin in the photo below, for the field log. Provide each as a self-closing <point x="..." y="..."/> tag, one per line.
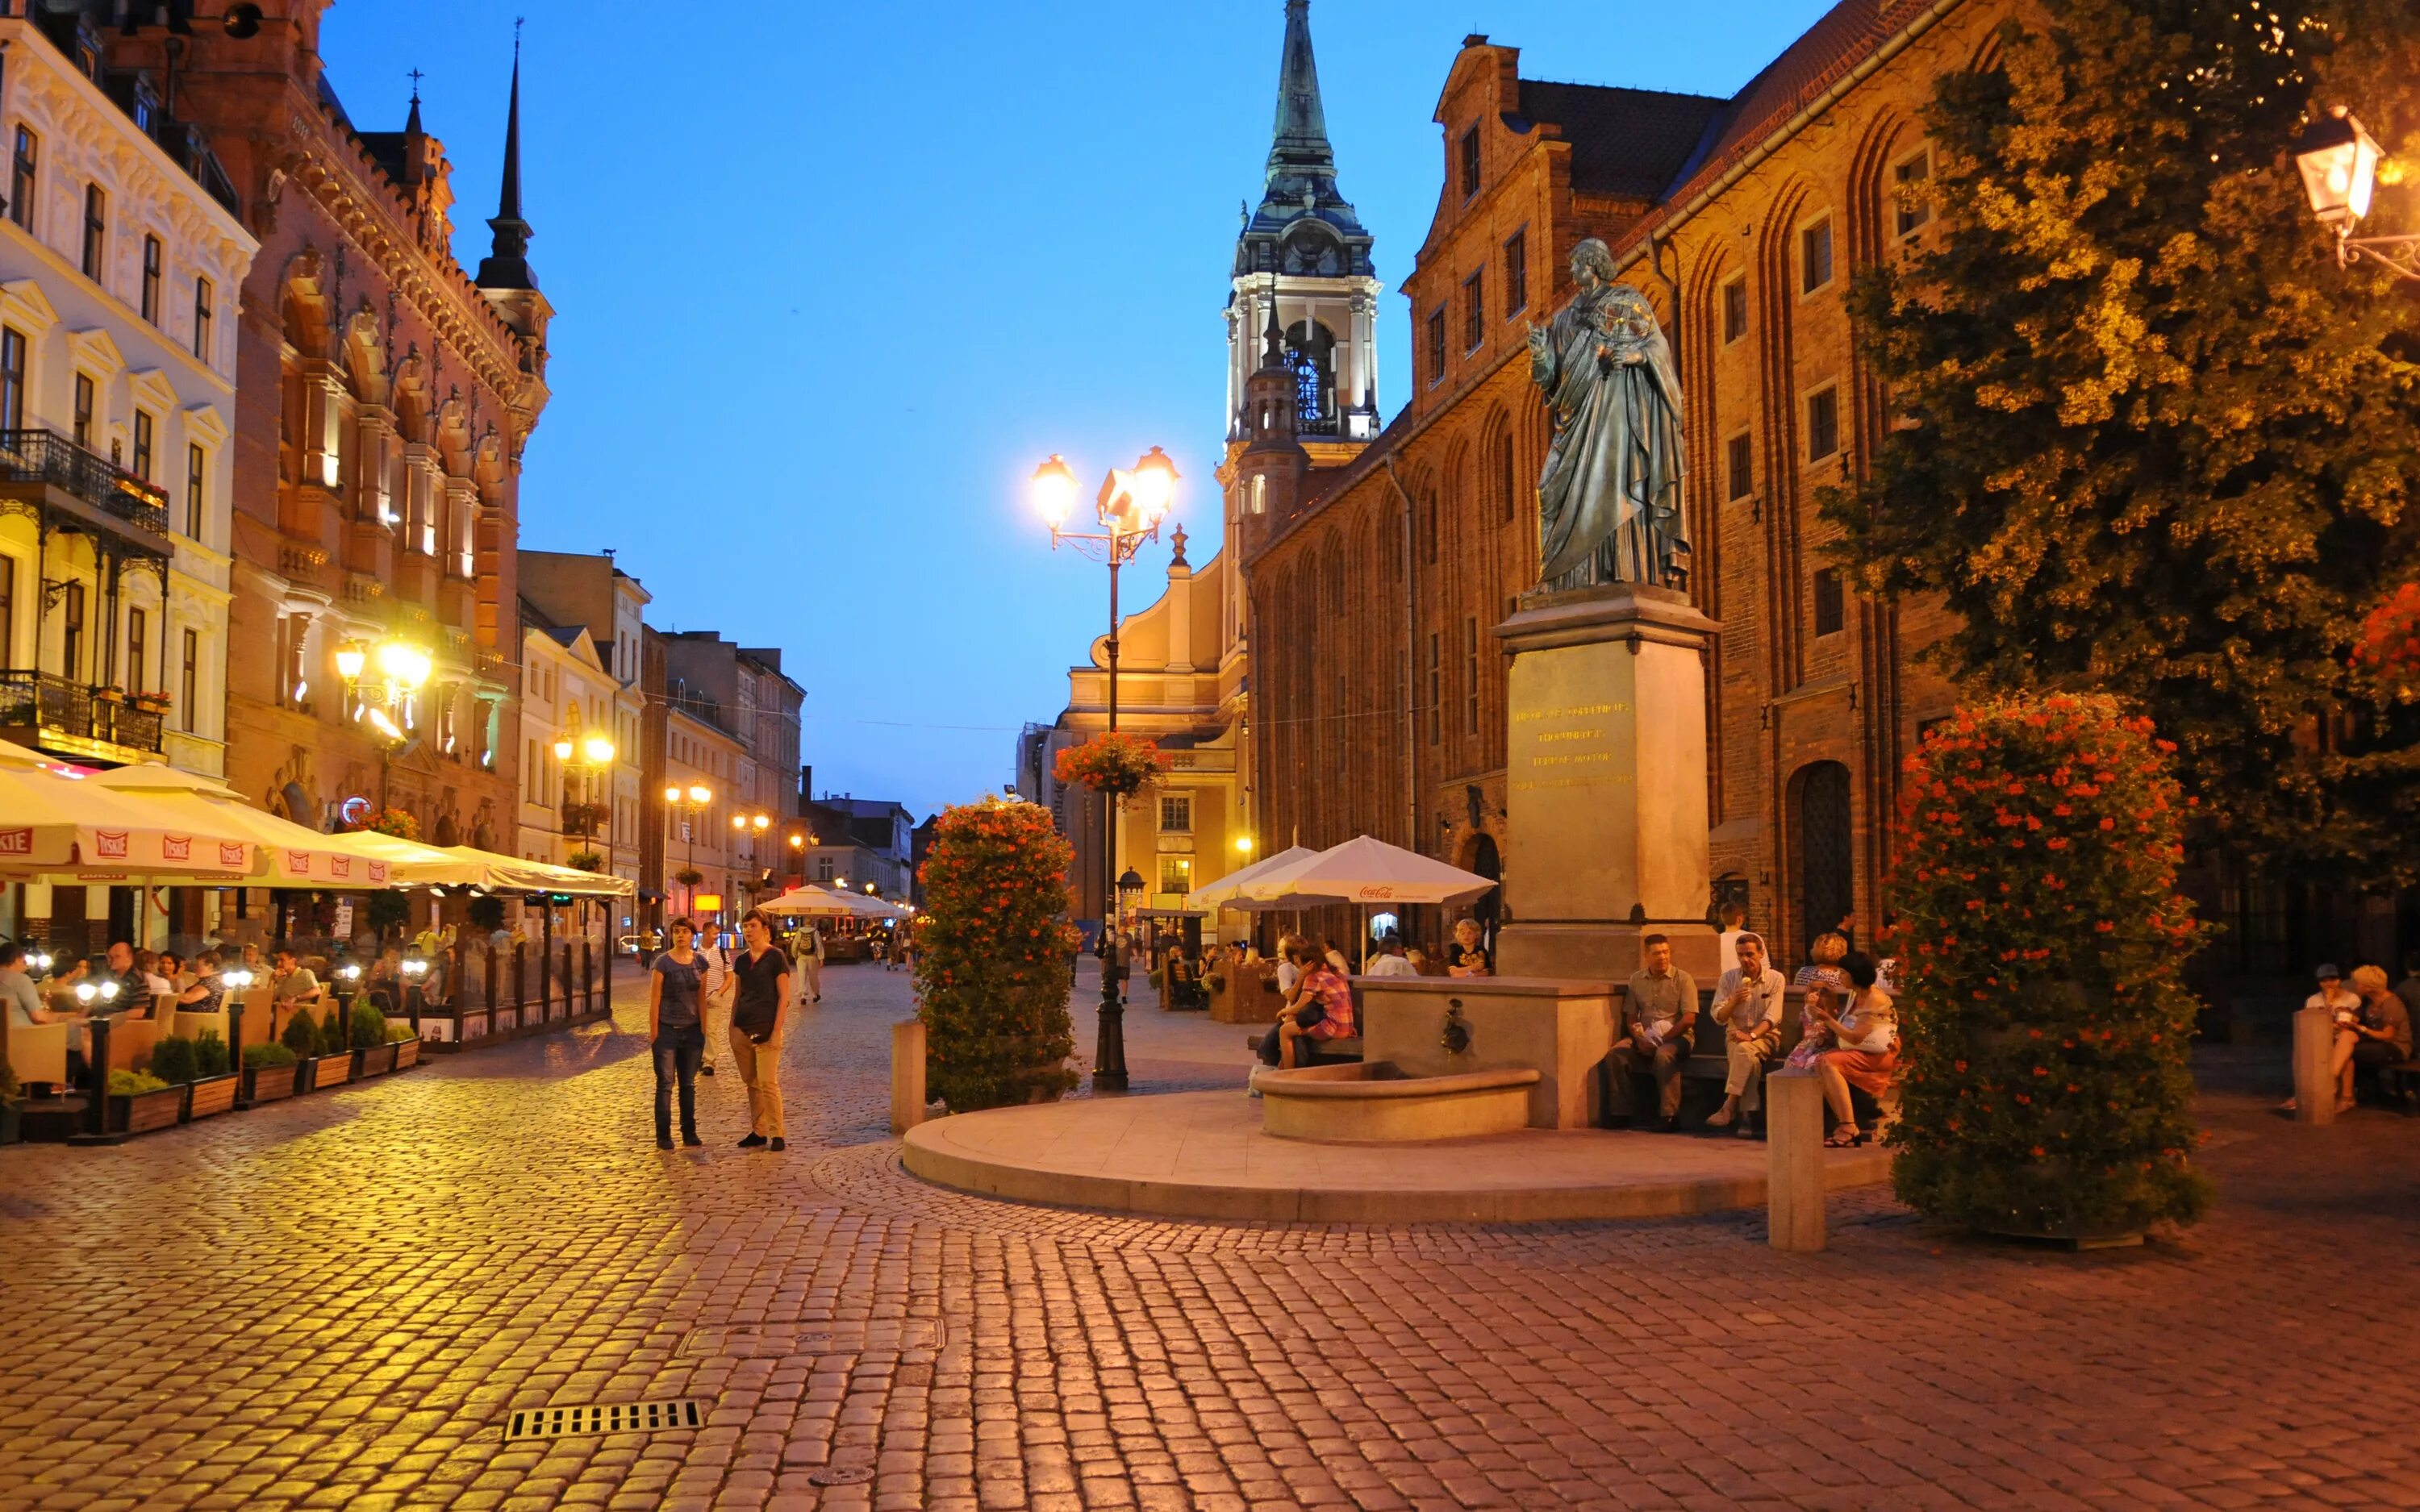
<point x="1374" y="1101"/>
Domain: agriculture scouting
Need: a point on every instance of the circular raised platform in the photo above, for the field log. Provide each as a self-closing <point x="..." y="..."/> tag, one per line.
<point x="1203" y="1155"/>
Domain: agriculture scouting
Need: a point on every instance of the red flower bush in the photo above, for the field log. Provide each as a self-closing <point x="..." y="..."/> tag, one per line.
<point x="2056" y="970"/>
<point x="1115" y="762"/>
<point x="995" y="959"/>
<point x="398" y="823"/>
<point x="2389" y="647"/>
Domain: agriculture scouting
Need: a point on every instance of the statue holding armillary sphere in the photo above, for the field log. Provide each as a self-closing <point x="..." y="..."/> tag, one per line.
<point x="1609" y="499"/>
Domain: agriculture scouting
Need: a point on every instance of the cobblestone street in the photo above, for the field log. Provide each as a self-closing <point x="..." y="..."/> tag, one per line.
<point x="338" y="1302"/>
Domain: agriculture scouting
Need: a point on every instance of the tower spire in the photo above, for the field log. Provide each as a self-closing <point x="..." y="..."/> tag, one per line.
<point x="1298" y="148"/>
<point x="507" y="265"/>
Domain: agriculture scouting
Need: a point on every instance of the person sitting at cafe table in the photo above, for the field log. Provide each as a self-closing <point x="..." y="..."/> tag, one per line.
<point x="207" y="994"/>
<point x="27" y="1009"/>
<point x="291" y="981"/>
<point x="133" y="989"/>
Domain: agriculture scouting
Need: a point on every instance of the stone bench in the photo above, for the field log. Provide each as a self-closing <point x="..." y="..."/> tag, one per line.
<point x="1337" y="1052"/>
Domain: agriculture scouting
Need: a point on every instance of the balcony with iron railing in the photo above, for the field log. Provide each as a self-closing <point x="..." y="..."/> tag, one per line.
<point x="52" y="713"/>
<point x="91" y="492"/>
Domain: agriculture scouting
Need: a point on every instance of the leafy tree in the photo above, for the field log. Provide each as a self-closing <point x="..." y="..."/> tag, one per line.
<point x="995" y="959"/>
<point x="2151" y="439"/>
<point x="2040" y="939"/>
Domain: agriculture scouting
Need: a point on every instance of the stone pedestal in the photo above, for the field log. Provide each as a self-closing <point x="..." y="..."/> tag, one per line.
<point x="1605" y="783"/>
<point x="2315" y="1048"/>
<point x="1560" y="1029"/>
<point x="907" y="1076"/>
<point x="1793" y="1135"/>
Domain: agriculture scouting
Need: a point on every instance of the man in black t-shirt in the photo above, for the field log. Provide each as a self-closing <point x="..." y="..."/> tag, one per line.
<point x="760" y="974"/>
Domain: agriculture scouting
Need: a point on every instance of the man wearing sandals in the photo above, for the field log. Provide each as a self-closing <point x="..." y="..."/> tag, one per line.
<point x="1748" y="1004"/>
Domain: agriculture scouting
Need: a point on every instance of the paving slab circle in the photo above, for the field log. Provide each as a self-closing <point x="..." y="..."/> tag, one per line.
<point x="1202" y="1155"/>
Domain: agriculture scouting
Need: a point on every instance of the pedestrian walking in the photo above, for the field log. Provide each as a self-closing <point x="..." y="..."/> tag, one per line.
<point x="715" y="992"/>
<point x="676" y="1031"/>
<point x="811" y="962"/>
<point x="761" y="977"/>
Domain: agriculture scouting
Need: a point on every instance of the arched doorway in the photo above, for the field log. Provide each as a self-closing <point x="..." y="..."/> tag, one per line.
<point x="1489" y="909"/>
<point x="1826" y="849"/>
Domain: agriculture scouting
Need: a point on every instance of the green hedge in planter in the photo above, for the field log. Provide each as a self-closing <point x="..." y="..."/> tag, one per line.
<point x="368" y="1026"/>
<point x="266" y="1056"/>
<point x="133" y="1084"/>
<point x="301" y="1035"/>
<point x="2040" y="941"/>
<point x="209" y="1055"/>
<point x="173" y="1060"/>
<point x="397" y="1033"/>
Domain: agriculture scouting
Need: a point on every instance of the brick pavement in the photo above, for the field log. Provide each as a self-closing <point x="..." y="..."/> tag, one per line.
<point x="338" y="1302"/>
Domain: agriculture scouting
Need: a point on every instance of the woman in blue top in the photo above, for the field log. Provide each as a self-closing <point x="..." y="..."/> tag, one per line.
<point x="676" y="1031"/>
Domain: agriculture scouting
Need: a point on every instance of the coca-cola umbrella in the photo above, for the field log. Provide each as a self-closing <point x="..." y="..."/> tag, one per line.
<point x="1368" y="873"/>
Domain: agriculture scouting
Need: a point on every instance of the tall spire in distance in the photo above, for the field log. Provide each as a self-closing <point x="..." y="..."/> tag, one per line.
<point x="1298" y="149"/>
<point x="507" y="265"/>
<point x="1302" y="178"/>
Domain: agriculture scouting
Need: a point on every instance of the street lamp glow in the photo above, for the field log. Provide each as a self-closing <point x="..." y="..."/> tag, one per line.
<point x="700" y="795"/>
<point x="762" y="821"/>
<point x="1244" y="843"/>
<point x="2339" y="160"/>
<point x="563" y="749"/>
<point x="1054" y="490"/>
<point x="403" y="664"/>
<point x="599" y="750"/>
<point x="1153" y="482"/>
<point x="672" y="795"/>
<point x="797" y="842"/>
<point x="350" y="659"/>
<point x="739" y="821"/>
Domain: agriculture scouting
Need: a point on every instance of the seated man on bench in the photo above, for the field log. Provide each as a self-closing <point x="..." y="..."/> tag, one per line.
<point x="1748" y="1004"/>
<point x="1658" y="1013"/>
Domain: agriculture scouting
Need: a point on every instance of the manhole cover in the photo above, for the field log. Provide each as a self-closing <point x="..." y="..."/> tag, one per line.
<point x="841" y="1476"/>
<point x="605" y="1417"/>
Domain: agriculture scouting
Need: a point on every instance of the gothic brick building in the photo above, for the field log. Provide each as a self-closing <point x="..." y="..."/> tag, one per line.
<point x="384" y="395"/>
<point x="1375" y="579"/>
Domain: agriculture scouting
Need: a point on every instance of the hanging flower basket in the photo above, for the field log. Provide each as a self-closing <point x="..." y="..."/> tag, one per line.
<point x="1120" y="765"/>
<point x="585" y="861"/>
<point x="688" y="876"/>
<point x="398" y="823"/>
<point x="2389" y="647"/>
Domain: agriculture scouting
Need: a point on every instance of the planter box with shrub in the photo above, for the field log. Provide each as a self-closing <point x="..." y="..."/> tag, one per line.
<point x="321" y="1072"/>
<point x="207" y="1095"/>
<point x="405" y="1045"/>
<point x="140" y="1104"/>
<point x="373" y="1060"/>
<point x="268" y="1072"/>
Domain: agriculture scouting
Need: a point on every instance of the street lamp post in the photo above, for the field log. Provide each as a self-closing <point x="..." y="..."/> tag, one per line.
<point x="595" y="753"/>
<point x="1129" y="507"/>
<point x="402" y="670"/>
<point x="691" y="800"/>
<point x="752" y="823"/>
<point x="2339" y="160"/>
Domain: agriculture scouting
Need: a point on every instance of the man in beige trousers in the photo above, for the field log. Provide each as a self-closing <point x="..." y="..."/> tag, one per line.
<point x="760" y="975"/>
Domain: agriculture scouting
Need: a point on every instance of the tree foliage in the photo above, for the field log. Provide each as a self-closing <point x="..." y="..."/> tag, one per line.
<point x="2149" y="438"/>
<point x="2040" y="937"/>
<point x="995" y="958"/>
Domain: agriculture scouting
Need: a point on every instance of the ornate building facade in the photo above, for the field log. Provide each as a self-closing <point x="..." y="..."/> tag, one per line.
<point x="119" y="257"/>
<point x="384" y="397"/>
<point x="1375" y="584"/>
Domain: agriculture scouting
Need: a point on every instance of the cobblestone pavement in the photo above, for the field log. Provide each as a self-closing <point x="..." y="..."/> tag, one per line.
<point x="338" y="1302"/>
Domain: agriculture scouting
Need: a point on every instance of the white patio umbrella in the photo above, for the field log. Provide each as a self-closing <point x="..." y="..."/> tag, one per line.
<point x="1228" y="892"/>
<point x="1368" y="873"/>
<point x="811" y="902"/>
<point x="71" y="827"/>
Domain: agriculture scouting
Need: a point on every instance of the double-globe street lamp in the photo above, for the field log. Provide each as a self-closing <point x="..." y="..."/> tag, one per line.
<point x="691" y="800"/>
<point x="753" y="823"/>
<point x="402" y="671"/>
<point x="1129" y="507"/>
<point x="592" y="755"/>
<point x="2339" y="160"/>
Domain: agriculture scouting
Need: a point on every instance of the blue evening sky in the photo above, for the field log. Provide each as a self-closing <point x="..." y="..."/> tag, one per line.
<point x="832" y="280"/>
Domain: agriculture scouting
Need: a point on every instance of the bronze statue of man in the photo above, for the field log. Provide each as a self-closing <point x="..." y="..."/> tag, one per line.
<point x="1609" y="499"/>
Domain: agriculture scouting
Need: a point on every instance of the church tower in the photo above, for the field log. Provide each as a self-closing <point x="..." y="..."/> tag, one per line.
<point x="1305" y="252"/>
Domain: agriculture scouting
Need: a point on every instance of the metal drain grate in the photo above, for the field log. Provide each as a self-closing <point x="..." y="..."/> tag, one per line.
<point x="605" y="1417"/>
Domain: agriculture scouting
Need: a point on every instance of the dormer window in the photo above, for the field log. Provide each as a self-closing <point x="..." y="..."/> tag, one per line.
<point x="1470" y="162"/>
